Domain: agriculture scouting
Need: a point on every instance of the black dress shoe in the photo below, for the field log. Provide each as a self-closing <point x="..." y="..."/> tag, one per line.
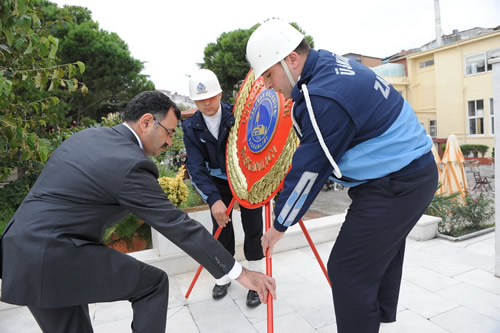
<point x="253" y="299"/>
<point x="220" y="291"/>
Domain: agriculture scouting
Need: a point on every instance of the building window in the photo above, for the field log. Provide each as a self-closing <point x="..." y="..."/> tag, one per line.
<point x="492" y="54"/>
<point x="432" y="128"/>
<point x="478" y="63"/>
<point x="426" y="63"/>
<point x="475" y="64"/>
<point x="476" y="117"/>
<point x="492" y="117"/>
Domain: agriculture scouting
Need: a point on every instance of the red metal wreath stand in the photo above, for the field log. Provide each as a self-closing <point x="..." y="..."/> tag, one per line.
<point x="269" y="269"/>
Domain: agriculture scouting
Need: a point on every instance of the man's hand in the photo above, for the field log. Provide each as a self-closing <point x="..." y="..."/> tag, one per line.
<point x="270" y="238"/>
<point x="259" y="282"/>
<point x="219" y="213"/>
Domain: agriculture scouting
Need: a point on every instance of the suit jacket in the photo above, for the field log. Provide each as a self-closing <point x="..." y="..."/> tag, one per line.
<point x="52" y="250"/>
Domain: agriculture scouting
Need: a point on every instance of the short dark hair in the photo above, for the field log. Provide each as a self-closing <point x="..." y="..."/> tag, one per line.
<point x="303" y="47"/>
<point x="154" y="102"/>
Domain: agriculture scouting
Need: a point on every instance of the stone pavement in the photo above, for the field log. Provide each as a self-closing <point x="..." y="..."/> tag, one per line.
<point x="447" y="287"/>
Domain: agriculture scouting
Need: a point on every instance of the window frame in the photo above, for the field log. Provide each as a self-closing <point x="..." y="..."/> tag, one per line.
<point x="483" y="54"/>
<point x="426" y="63"/>
<point x="475" y="117"/>
<point x="433" y="128"/>
<point x="493" y="54"/>
<point x="486" y="55"/>
<point x="492" y="118"/>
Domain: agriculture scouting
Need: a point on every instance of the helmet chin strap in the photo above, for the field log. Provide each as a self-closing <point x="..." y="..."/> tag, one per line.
<point x="287" y="71"/>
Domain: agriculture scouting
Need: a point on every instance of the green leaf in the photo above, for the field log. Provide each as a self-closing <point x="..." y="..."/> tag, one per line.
<point x="19" y="133"/>
<point x="81" y="66"/>
<point x="26" y="155"/>
<point x="36" y="21"/>
<point x="19" y="42"/>
<point x="45" y="80"/>
<point x="70" y="84"/>
<point x="5" y="87"/>
<point x="9" y="36"/>
<point x="75" y="87"/>
<point x="43" y="47"/>
<point x="24" y="22"/>
<point x="9" y="134"/>
<point x="13" y="145"/>
<point x="55" y="74"/>
<point x="38" y="80"/>
<point x="29" y="49"/>
<point x="54" y="100"/>
<point x="31" y="141"/>
<point x="71" y="71"/>
<point x="43" y="153"/>
<point x="53" y="51"/>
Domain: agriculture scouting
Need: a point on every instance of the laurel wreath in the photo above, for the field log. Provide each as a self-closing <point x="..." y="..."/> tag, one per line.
<point x="265" y="186"/>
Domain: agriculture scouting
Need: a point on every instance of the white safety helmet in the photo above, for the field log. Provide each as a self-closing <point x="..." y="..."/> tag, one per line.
<point x="203" y="84"/>
<point x="270" y="43"/>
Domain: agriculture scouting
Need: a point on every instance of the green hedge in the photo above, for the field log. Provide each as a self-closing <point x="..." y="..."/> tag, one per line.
<point x="474" y="149"/>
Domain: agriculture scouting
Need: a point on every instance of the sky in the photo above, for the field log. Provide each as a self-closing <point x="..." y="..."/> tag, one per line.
<point x="170" y="36"/>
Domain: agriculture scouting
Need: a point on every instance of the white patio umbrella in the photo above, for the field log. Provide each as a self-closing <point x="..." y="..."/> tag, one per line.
<point x="453" y="178"/>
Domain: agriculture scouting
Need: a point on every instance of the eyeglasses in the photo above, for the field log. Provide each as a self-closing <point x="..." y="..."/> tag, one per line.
<point x="169" y="131"/>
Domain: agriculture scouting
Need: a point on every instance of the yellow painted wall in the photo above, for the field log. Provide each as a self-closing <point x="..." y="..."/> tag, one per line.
<point x="401" y="84"/>
<point x="441" y="92"/>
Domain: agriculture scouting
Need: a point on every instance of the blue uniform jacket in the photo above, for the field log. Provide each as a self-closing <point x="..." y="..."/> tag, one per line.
<point x="206" y="155"/>
<point x="367" y="126"/>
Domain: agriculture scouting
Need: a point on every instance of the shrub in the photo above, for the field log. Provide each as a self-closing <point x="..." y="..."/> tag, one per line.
<point x="482" y="149"/>
<point x="175" y="188"/>
<point x="441" y="205"/>
<point x="474" y="215"/>
<point x="474" y="149"/>
<point x="127" y="229"/>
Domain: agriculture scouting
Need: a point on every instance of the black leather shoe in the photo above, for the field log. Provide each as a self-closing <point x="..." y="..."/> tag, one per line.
<point x="253" y="299"/>
<point x="220" y="291"/>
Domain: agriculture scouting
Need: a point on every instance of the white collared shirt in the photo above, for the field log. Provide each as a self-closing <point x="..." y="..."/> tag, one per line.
<point x="213" y="122"/>
<point x="136" y="136"/>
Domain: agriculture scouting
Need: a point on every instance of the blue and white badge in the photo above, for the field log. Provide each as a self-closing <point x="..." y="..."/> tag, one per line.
<point x="263" y="120"/>
<point x="201" y="88"/>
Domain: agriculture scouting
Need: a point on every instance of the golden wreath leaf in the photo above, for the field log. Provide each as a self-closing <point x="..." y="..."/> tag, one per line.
<point x="265" y="186"/>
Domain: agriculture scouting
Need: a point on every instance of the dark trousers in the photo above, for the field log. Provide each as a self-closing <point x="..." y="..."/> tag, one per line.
<point x="251" y="220"/>
<point x="365" y="265"/>
<point x="149" y="302"/>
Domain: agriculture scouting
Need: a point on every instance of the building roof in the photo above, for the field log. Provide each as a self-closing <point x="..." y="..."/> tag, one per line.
<point x="456" y="36"/>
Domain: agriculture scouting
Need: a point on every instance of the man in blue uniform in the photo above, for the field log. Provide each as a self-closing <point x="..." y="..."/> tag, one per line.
<point x="353" y="123"/>
<point x="205" y="137"/>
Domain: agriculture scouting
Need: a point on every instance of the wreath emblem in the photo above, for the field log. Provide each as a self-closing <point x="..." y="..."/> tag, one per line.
<point x="261" y="143"/>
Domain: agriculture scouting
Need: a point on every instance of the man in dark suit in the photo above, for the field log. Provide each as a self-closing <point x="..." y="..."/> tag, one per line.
<point x="53" y="258"/>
